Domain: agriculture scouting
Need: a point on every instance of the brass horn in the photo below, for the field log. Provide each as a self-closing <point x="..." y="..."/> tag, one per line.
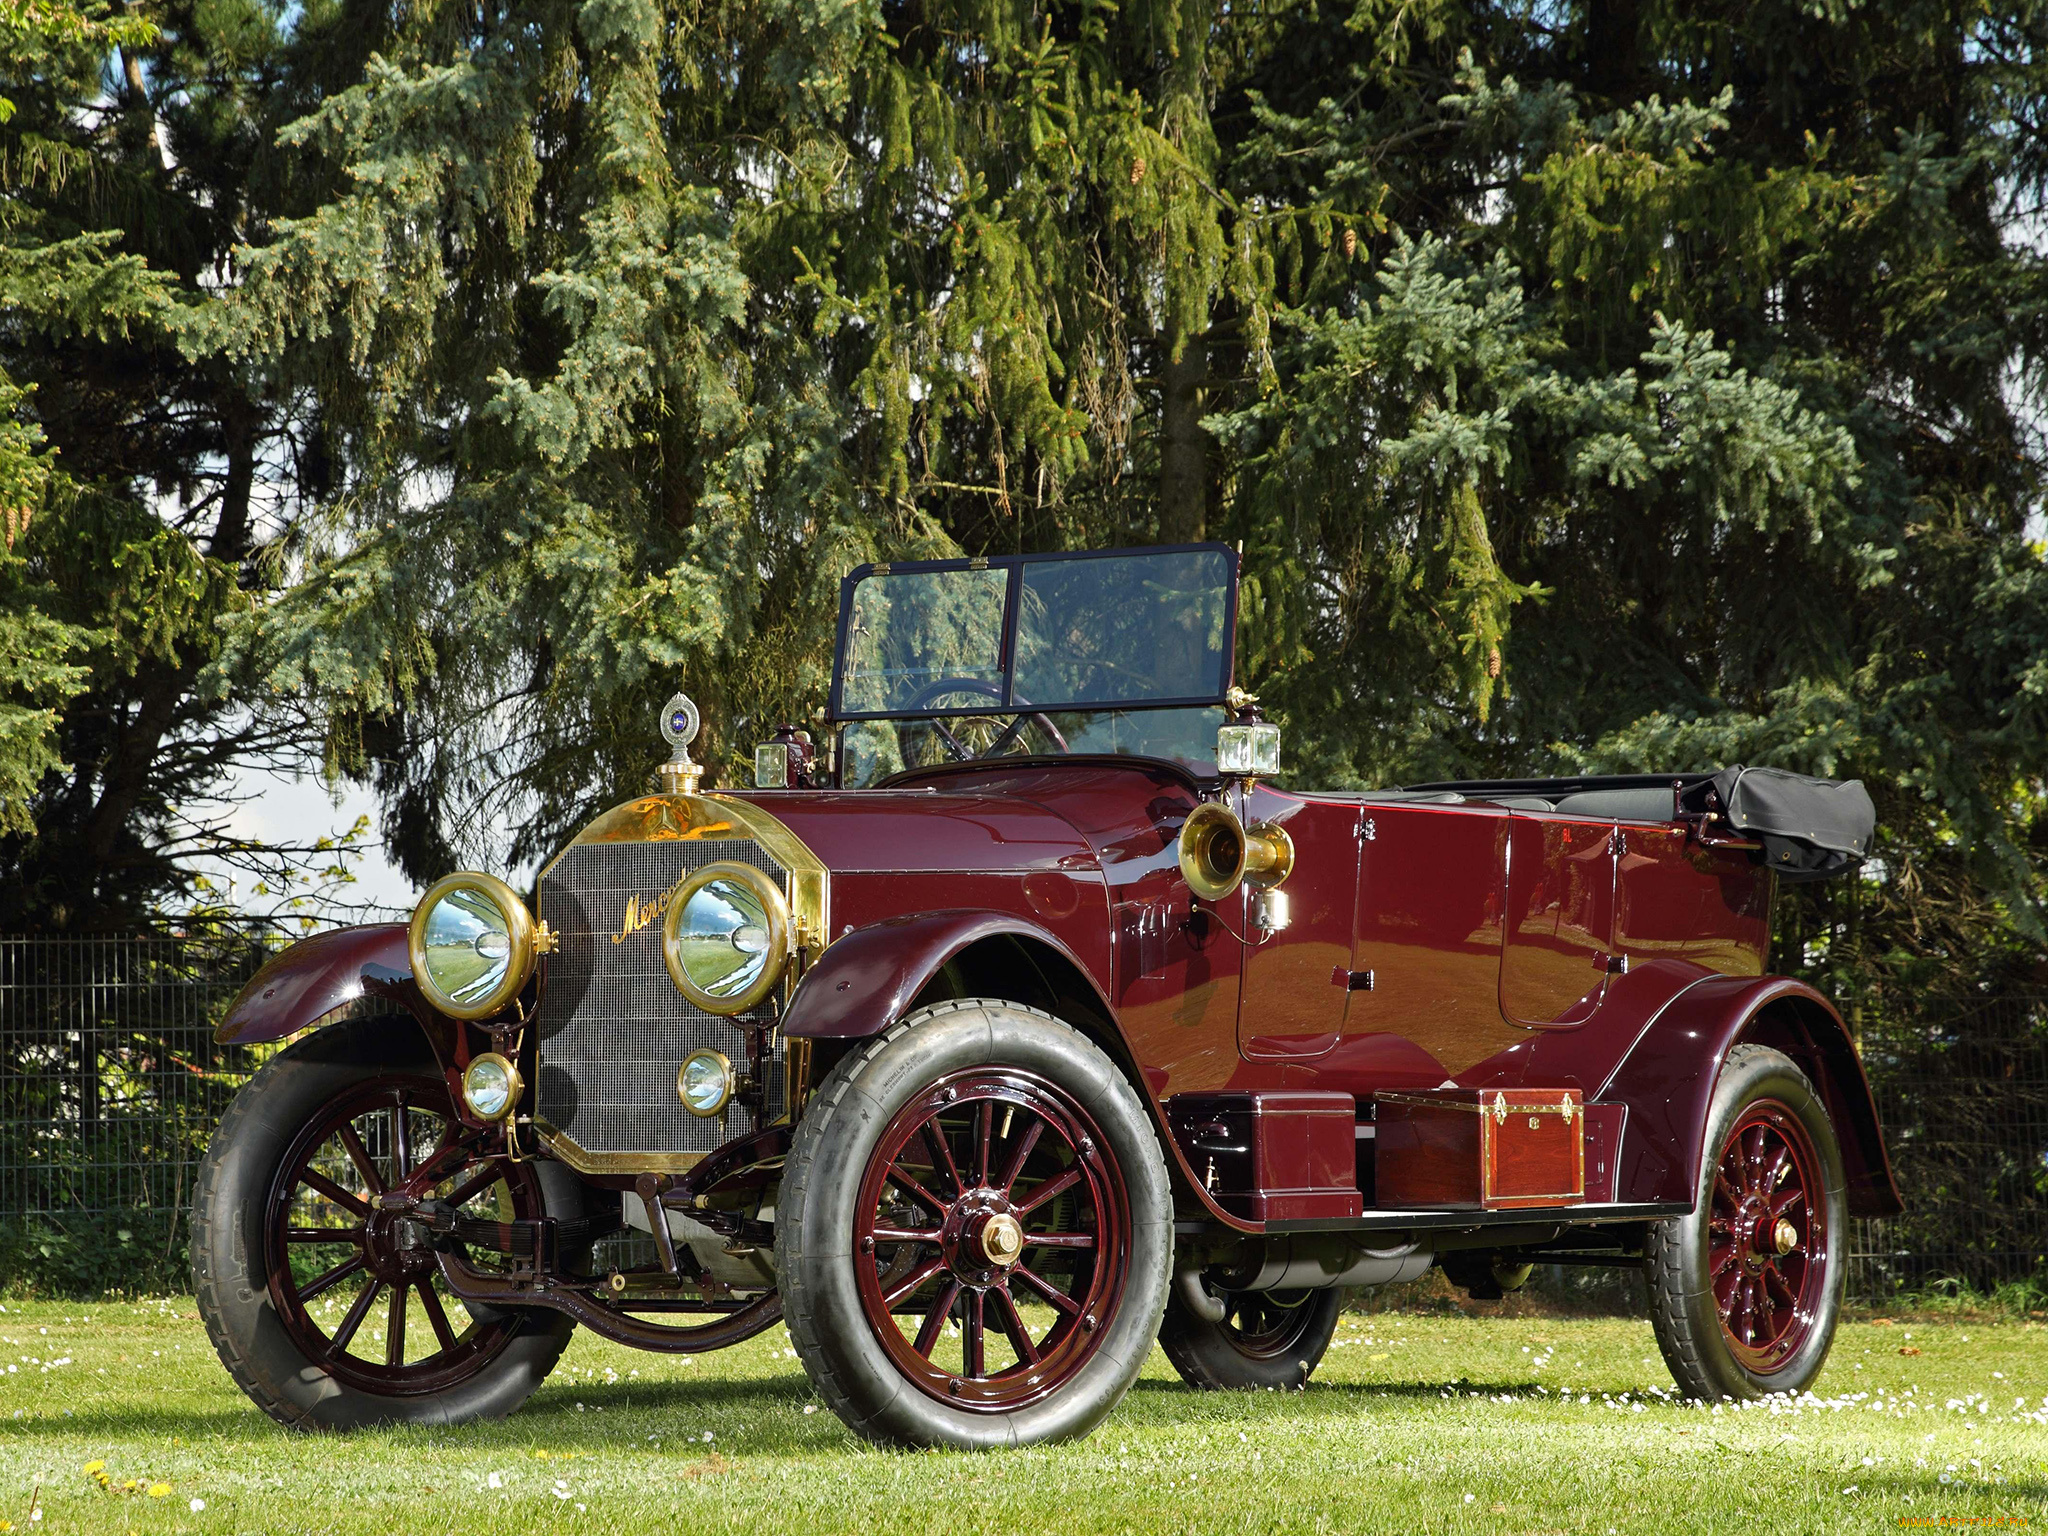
<point x="1218" y="853"/>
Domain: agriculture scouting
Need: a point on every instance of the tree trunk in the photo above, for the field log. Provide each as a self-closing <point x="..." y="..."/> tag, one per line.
<point x="1183" y="445"/>
<point x="1614" y="57"/>
<point x="230" y="541"/>
<point x="138" y="100"/>
<point x="124" y="777"/>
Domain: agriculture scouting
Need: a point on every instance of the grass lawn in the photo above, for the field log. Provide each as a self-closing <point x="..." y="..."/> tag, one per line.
<point x="1415" y="1421"/>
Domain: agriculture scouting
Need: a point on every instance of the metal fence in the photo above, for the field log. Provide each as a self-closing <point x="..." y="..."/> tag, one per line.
<point x="1963" y="1096"/>
<point x="110" y="1084"/>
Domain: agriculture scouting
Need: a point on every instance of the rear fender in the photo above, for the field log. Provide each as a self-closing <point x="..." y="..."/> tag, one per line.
<point x="1667" y="1081"/>
<point x="873" y="976"/>
<point x="317" y="979"/>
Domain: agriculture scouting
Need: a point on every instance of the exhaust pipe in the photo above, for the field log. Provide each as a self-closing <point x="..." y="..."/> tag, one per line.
<point x="1314" y="1263"/>
<point x="1195" y="1297"/>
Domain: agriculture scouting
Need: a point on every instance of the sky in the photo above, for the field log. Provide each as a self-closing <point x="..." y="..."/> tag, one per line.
<point x="283" y="808"/>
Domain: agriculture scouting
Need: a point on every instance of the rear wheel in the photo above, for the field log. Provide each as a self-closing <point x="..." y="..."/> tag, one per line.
<point x="974" y="1232"/>
<point x="1267" y="1339"/>
<point x="327" y="1311"/>
<point x="1745" y="1292"/>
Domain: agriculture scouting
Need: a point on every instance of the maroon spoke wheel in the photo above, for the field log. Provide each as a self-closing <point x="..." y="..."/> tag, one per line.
<point x="1745" y="1292"/>
<point x="326" y="1309"/>
<point x="995" y="1218"/>
<point x="1768" y="1248"/>
<point x="357" y="1287"/>
<point x="1267" y="1339"/>
<point x="975" y="1231"/>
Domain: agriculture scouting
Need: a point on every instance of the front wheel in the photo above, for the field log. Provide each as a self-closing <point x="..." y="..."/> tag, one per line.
<point x="1268" y="1340"/>
<point x="1745" y="1292"/>
<point x="975" y="1231"/>
<point x="327" y="1311"/>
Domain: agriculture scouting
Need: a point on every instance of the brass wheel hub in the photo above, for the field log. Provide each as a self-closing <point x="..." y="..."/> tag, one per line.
<point x="1784" y="1236"/>
<point x="983" y="1239"/>
<point x="1002" y="1238"/>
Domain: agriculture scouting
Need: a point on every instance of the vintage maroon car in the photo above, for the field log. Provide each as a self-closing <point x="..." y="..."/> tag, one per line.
<point x="1031" y="1021"/>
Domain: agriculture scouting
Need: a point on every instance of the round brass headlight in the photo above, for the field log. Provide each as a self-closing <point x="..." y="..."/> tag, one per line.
<point x="704" y="1082"/>
<point x="491" y="1086"/>
<point x="726" y="937"/>
<point x="471" y="943"/>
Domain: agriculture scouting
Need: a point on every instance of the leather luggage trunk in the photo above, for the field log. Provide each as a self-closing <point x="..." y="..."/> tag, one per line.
<point x="1484" y="1148"/>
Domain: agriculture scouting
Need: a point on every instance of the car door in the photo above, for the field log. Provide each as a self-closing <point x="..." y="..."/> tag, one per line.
<point x="1423" y="990"/>
<point x="1291" y="1007"/>
<point x="1559" y="939"/>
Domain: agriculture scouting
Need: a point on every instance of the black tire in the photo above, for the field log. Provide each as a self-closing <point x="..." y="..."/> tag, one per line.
<point x="507" y="1353"/>
<point x="1268" y="1340"/>
<point x="1781" y="1306"/>
<point x="843" y="1148"/>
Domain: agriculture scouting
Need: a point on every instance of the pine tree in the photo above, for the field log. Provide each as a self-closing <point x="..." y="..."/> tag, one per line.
<point x="1730" y="329"/>
<point x="765" y="293"/>
<point x="148" y="492"/>
<point x="37" y="672"/>
<point x="1625" y="386"/>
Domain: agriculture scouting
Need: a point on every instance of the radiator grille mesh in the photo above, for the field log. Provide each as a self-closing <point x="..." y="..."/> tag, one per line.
<point x="611" y="1026"/>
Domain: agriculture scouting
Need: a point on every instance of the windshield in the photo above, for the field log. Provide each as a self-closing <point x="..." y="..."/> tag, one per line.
<point x="1118" y="630"/>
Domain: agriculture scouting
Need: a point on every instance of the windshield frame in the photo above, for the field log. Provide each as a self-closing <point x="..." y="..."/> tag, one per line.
<point x="1024" y="761"/>
<point x="837" y="713"/>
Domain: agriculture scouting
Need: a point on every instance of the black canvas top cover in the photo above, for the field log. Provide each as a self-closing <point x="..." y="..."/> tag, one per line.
<point x="1811" y="829"/>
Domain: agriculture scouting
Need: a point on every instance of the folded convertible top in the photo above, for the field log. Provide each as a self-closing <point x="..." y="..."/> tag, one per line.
<point x="1811" y="829"/>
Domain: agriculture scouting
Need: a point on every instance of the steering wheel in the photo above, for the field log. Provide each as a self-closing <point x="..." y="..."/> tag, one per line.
<point x="962" y="752"/>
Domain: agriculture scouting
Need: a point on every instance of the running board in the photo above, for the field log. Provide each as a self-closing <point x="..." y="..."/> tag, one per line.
<point x="1589" y="1215"/>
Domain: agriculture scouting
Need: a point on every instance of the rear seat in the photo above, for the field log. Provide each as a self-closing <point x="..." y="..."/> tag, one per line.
<point x="1618" y="804"/>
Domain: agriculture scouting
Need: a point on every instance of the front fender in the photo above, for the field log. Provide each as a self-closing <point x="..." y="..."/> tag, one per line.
<point x="867" y="980"/>
<point x="1667" y="1081"/>
<point x="309" y="980"/>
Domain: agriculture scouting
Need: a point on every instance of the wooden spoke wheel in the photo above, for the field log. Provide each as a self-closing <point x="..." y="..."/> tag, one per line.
<point x="1267" y="1324"/>
<point x="356" y="1287"/>
<point x="975" y="1231"/>
<point x="1745" y="1291"/>
<point x="1768" y="1250"/>
<point x="995" y="1222"/>
<point x="326" y="1309"/>
<point x="1266" y="1339"/>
